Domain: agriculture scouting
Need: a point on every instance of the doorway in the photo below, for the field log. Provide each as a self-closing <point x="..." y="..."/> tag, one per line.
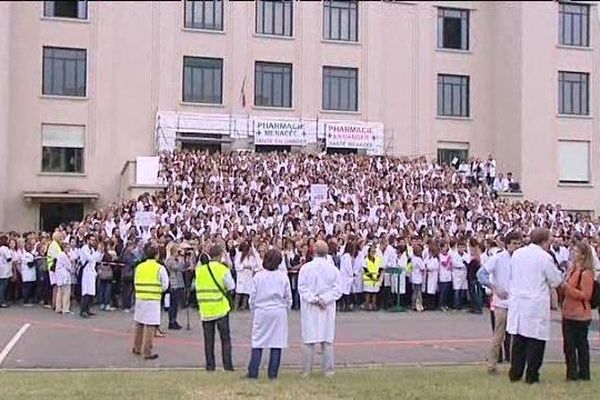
<point x="54" y="214"/>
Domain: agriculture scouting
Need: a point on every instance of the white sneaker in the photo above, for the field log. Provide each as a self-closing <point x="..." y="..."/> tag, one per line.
<point x="109" y="308"/>
<point x="102" y="307"/>
<point x="126" y="310"/>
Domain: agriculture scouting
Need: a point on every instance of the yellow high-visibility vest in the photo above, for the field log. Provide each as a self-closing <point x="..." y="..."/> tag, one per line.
<point x="147" y="281"/>
<point x="212" y="304"/>
<point x="374" y="269"/>
<point x="53" y="248"/>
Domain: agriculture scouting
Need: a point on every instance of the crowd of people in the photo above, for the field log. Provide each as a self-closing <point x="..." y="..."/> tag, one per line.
<point x="401" y="232"/>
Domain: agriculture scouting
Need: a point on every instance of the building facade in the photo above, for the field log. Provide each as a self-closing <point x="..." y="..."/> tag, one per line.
<point x="88" y="87"/>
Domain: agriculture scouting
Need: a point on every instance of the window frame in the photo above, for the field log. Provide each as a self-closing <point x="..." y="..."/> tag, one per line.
<point x="291" y="84"/>
<point x="441" y="94"/>
<point x="328" y="5"/>
<point x="562" y="14"/>
<point x="355" y="82"/>
<point x="86" y="74"/>
<point x="82" y="170"/>
<point x="86" y="19"/>
<point x="285" y="3"/>
<point x="561" y="90"/>
<point x="183" y="76"/>
<point x="203" y="28"/>
<point x="440" y="29"/>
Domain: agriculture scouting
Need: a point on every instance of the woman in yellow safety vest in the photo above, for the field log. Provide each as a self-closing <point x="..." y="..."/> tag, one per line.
<point x="372" y="275"/>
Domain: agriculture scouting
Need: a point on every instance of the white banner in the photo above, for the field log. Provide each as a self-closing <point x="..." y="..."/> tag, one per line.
<point x="145" y="219"/>
<point x="146" y="171"/>
<point x="318" y="194"/>
<point x="290" y="132"/>
<point x="353" y="135"/>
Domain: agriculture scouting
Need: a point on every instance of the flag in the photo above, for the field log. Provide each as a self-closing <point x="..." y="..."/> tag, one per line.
<point x="243" y="92"/>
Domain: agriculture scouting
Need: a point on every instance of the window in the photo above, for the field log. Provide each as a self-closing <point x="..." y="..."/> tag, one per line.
<point x="573" y="24"/>
<point x="203" y="80"/>
<point x="204" y="14"/>
<point x="340" y="88"/>
<point x="64" y="72"/>
<point x="574" y="161"/>
<point x="573" y="89"/>
<point x="273" y="85"/>
<point x="274" y="17"/>
<point x="453" y="29"/>
<point x="340" y="20"/>
<point x="62" y="148"/>
<point x="452" y="153"/>
<point x="453" y="95"/>
<point x="66" y="9"/>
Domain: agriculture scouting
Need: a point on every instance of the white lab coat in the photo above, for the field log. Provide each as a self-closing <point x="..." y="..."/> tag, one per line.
<point x="445" y="271"/>
<point x="5" y="263"/>
<point x="357" y="268"/>
<point x="389" y="260"/>
<point x="459" y="271"/>
<point x="245" y="270"/>
<point x="319" y="279"/>
<point x="347" y="273"/>
<point x="270" y="300"/>
<point x="147" y="312"/>
<point x="62" y="273"/>
<point x="432" y="265"/>
<point x="533" y="275"/>
<point x="401" y="263"/>
<point x="28" y="273"/>
<point x="88" y="258"/>
<point x="416" y="277"/>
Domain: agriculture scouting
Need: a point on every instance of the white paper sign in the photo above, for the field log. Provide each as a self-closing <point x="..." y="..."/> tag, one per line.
<point x="146" y="170"/>
<point x="318" y="194"/>
<point x="352" y="135"/>
<point x="279" y="132"/>
<point x="145" y="219"/>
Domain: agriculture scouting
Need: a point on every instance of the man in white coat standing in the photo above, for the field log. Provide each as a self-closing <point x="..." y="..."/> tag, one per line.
<point x="533" y="276"/>
<point x="319" y="286"/>
<point x="90" y="255"/>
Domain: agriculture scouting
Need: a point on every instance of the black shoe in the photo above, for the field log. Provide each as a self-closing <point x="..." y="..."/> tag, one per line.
<point x="230" y="369"/>
<point x="175" y="327"/>
<point x="151" y="357"/>
<point x="91" y="314"/>
<point x="84" y="315"/>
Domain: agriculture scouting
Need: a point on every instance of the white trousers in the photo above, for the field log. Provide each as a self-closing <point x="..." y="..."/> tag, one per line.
<point x="309" y="358"/>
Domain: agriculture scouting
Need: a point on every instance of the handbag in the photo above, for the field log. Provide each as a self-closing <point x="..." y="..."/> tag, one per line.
<point x="105" y="272"/>
<point x="223" y="292"/>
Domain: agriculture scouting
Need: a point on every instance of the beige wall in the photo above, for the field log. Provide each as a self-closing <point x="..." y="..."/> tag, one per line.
<point x="135" y="56"/>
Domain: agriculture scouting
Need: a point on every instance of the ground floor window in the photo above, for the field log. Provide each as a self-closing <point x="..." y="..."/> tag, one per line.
<point x="452" y="157"/>
<point x="192" y="146"/>
<point x="54" y="214"/>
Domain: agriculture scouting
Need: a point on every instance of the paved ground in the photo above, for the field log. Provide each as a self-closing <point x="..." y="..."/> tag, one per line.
<point x="362" y="338"/>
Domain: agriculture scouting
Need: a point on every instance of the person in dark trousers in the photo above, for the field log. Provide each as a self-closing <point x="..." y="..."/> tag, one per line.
<point x="475" y="289"/>
<point x="213" y="284"/>
<point x="577" y="313"/>
<point x="129" y="260"/>
<point x="175" y="265"/>
<point x="534" y="275"/>
<point x="270" y="300"/>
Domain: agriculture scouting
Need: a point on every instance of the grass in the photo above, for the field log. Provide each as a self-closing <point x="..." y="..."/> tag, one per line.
<point x="430" y="383"/>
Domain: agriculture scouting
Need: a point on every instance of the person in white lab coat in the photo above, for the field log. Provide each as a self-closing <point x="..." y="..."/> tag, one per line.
<point x="460" y="260"/>
<point x="89" y="256"/>
<point x="270" y="301"/>
<point x="416" y="277"/>
<point x="357" y="282"/>
<point x="533" y="276"/>
<point x="62" y="277"/>
<point x="319" y="285"/>
<point x="347" y="275"/>
<point x="246" y="264"/>
<point x="28" y="273"/>
<point x="5" y="269"/>
<point x="432" y="266"/>
<point x="445" y="275"/>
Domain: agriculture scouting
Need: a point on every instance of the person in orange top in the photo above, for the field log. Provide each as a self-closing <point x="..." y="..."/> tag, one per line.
<point x="577" y="313"/>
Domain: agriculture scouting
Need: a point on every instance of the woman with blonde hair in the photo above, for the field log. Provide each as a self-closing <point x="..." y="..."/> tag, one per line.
<point x="577" y="312"/>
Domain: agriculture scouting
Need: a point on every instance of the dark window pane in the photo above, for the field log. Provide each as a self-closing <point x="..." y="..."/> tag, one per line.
<point x="202" y="80"/>
<point x="204" y="14"/>
<point x="273" y="85"/>
<point x="573" y="24"/>
<point x="66" y="9"/>
<point x="453" y="95"/>
<point x="340" y="87"/>
<point x="62" y="159"/>
<point x="453" y="29"/>
<point x="64" y="72"/>
<point x="274" y="17"/>
<point x="573" y="93"/>
<point x="340" y="20"/>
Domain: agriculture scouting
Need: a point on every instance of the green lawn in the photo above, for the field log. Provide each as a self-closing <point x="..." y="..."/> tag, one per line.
<point x="428" y="383"/>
